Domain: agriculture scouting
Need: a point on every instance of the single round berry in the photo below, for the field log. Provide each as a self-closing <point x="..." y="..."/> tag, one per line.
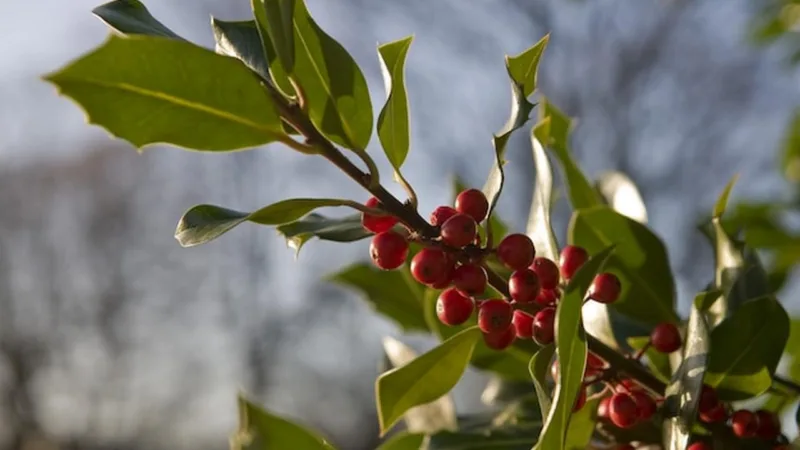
<point x="548" y="297"/>
<point x="440" y="215"/>
<point x="547" y="271"/>
<point x="580" y="401"/>
<point x="430" y="265"/>
<point x="377" y="224"/>
<point x="516" y="251"/>
<point x="594" y="365"/>
<point x="470" y="279"/>
<point x="699" y="445"/>
<point x="500" y="340"/>
<point x="459" y="230"/>
<point x="388" y="250"/>
<point x="602" y="408"/>
<point x="645" y="405"/>
<point x="495" y="315"/>
<point x="473" y="203"/>
<point x="622" y="410"/>
<point x="714" y="415"/>
<point x="665" y="337"/>
<point x="769" y="426"/>
<point x="605" y="288"/>
<point x="453" y="308"/>
<point x="544" y="326"/>
<point x="523" y="324"/>
<point x="708" y="399"/>
<point x="523" y="285"/>
<point x="571" y="259"/>
<point x="447" y="278"/>
<point x="744" y="423"/>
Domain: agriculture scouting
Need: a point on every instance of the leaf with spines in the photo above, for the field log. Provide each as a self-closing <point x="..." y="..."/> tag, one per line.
<point x="334" y="229"/>
<point x="539" y="367"/>
<point x="261" y="430"/>
<point x="571" y="350"/>
<point x="204" y="223"/>
<point x="423" y="380"/>
<point x="150" y="90"/>
<point x="277" y="72"/>
<point x="132" y="17"/>
<point x="393" y="121"/>
<point x="622" y="195"/>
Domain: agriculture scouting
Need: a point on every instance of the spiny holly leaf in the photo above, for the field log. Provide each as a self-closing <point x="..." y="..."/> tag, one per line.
<point x="335" y="90"/>
<point x="640" y="262"/>
<point x="522" y="70"/>
<point x="240" y="40"/>
<point x="132" y="17"/>
<point x="683" y="393"/>
<point x="277" y="72"/>
<point x="403" y="441"/>
<point x="424" y="379"/>
<point x="539" y="367"/>
<point x="539" y="227"/>
<point x="260" y="430"/>
<point x="204" y="223"/>
<point x="571" y="349"/>
<point x="339" y="229"/>
<point x="747" y="348"/>
<point x="657" y="361"/>
<point x="393" y="121"/>
<point x="622" y="195"/>
<point x="137" y="88"/>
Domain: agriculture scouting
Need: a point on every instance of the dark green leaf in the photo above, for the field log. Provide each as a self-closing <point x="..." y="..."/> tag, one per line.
<point x="403" y="441"/>
<point x="204" y="223"/>
<point x="341" y="229"/>
<point x="640" y="262"/>
<point x="335" y="90"/>
<point x="423" y="380"/>
<point x="132" y="17"/>
<point x="622" y="195"/>
<point x="279" y="26"/>
<point x="240" y="40"/>
<point x="540" y="229"/>
<point x="522" y="70"/>
<point x="581" y="426"/>
<point x="571" y="351"/>
<point x="747" y="347"/>
<point x="393" y="121"/>
<point x="137" y="88"/>
<point x="260" y="430"/>
<point x="520" y="436"/>
<point x="539" y="367"/>
<point x="657" y="362"/>
<point x="392" y="293"/>
<point x="278" y="73"/>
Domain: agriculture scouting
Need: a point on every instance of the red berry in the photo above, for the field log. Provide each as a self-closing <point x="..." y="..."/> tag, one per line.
<point x="447" y="278"/>
<point x="500" y="340"/>
<point x="440" y="215"/>
<point x="544" y="326"/>
<point x="708" y="399"/>
<point x="470" y="279"/>
<point x="523" y="285"/>
<point x="769" y="426"/>
<point x="699" y="445"/>
<point x="548" y="297"/>
<point x="430" y="265"/>
<point x="377" y="224"/>
<point x="547" y="271"/>
<point x="580" y="401"/>
<point x="388" y="250"/>
<point x="453" y="308"/>
<point x="744" y="423"/>
<point x="630" y="384"/>
<point x="605" y="288"/>
<point x="523" y="324"/>
<point x="459" y="230"/>
<point x="645" y="404"/>
<point x="473" y="203"/>
<point x="571" y="259"/>
<point x="665" y="337"/>
<point x="716" y="414"/>
<point x="602" y="408"/>
<point x="495" y="315"/>
<point x="594" y="365"/>
<point x="622" y="410"/>
<point x="516" y="251"/>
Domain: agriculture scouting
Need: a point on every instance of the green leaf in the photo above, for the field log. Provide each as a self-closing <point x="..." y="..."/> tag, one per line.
<point x="340" y="229"/>
<point x="622" y="195"/>
<point x="138" y="89"/>
<point x="437" y="415"/>
<point x="132" y="17"/>
<point x="790" y="155"/>
<point x="539" y="367"/>
<point x="581" y="426"/>
<point x="552" y="131"/>
<point x="335" y="90"/>
<point x="279" y="26"/>
<point x="747" y="347"/>
<point x="522" y="70"/>
<point x="424" y="379"/>
<point x="704" y="300"/>
<point x="204" y="223"/>
<point x="260" y="430"/>
<point x="539" y="228"/>
<point x="722" y="201"/>
<point x="403" y="441"/>
<point x="571" y="349"/>
<point x="516" y="437"/>
<point x="240" y="40"/>
<point x="657" y="361"/>
<point x="393" y="121"/>
<point x="683" y="392"/>
<point x="640" y="262"/>
<point x="392" y="293"/>
<point x="278" y="73"/>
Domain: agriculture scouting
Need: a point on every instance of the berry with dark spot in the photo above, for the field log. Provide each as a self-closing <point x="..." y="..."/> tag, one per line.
<point x="388" y="250"/>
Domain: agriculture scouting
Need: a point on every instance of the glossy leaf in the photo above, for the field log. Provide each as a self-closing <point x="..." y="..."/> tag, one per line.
<point x="539" y="228"/>
<point x="132" y="17"/>
<point x="277" y="72"/>
<point x="571" y="349"/>
<point x="522" y="70"/>
<point x="598" y="323"/>
<point x="391" y="293"/>
<point x="204" y="223"/>
<point x="747" y="348"/>
<point x="582" y="425"/>
<point x="339" y="229"/>
<point x="437" y="415"/>
<point x="137" y="88"/>
<point x="335" y="90"/>
<point x="240" y="40"/>
<point x="539" y="368"/>
<point x="280" y="28"/>
<point x="393" y="120"/>
<point x="261" y="430"/>
<point x="640" y="262"/>
<point x="705" y="299"/>
<point x="683" y="393"/>
<point x="622" y="195"/>
<point x="424" y="379"/>
<point x="403" y="441"/>
<point x="657" y="362"/>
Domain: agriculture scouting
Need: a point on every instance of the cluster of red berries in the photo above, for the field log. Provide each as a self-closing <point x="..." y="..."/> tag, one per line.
<point x="534" y="286"/>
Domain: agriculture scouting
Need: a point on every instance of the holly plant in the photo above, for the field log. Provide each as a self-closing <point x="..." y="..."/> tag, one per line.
<point x="582" y="341"/>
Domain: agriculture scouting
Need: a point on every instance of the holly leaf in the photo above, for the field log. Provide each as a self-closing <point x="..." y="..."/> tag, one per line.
<point x="582" y="426"/>
<point x="539" y="228"/>
<point x="339" y="229"/>
<point x="261" y="430"/>
<point x="279" y="27"/>
<point x="403" y="441"/>
<point x="240" y="40"/>
<point x="277" y="72"/>
<point x="393" y="120"/>
<point x="137" y="89"/>
<point x="539" y="367"/>
<point x="622" y="195"/>
<point x="131" y="17"/>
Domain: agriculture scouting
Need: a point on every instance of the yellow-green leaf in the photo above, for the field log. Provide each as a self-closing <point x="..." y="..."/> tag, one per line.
<point x="261" y="430"/>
